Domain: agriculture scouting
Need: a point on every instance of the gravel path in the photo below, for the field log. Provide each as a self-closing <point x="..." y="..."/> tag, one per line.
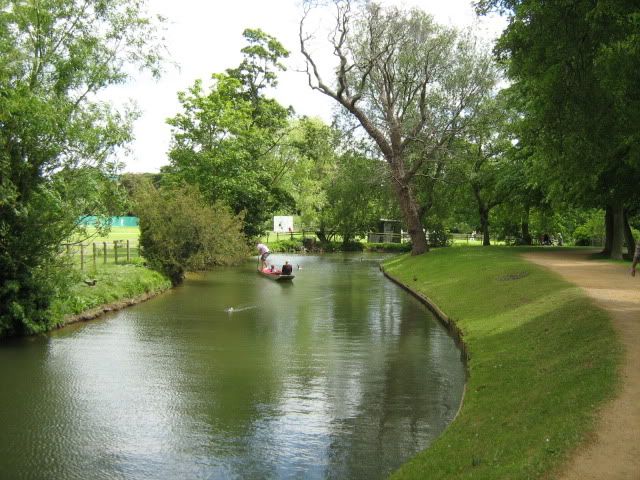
<point x="613" y="452"/>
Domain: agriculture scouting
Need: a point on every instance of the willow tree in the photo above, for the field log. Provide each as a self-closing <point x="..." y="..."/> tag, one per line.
<point x="410" y="83"/>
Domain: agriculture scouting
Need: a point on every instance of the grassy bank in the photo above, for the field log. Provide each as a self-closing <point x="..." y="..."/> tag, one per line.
<point x="113" y="283"/>
<point x="542" y="358"/>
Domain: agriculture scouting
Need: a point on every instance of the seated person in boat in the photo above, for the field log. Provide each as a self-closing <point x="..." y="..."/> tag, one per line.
<point x="287" y="269"/>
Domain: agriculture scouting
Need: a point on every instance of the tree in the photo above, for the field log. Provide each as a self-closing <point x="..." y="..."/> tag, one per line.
<point x="581" y="98"/>
<point x="56" y="140"/>
<point x="309" y="156"/>
<point x="225" y="139"/>
<point x="354" y="196"/>
<point x="486" y="160"/>
<point x="180" y="231"/>
<point x="408" y="82"/>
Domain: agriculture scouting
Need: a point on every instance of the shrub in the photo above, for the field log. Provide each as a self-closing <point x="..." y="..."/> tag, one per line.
<point x="387" y="247"/>
<point x="180" y="232"/>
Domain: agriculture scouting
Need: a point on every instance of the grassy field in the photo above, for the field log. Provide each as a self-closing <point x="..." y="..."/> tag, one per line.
<point x="542" y="359"/>
<point x="113" y="283"/>
<point x="117" y="233"/>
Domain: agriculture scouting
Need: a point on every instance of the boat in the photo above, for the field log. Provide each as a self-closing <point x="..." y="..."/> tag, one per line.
<point x="276" y="275"/>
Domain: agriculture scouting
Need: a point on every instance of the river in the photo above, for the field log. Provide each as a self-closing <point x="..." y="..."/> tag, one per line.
<point x="339" y="374"/>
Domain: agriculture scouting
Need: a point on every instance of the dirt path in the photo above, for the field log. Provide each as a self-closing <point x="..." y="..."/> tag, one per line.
<point x="614" y="451"/>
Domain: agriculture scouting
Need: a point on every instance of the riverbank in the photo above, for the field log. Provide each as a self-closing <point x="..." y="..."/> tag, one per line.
<point x="542" y="358"/>
<point x="108" y="288"/>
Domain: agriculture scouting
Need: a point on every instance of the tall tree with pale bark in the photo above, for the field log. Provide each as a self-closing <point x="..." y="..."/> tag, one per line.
<point x="411" y="84"/>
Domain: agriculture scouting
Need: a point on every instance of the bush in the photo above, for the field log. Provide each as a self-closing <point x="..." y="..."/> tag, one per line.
<point x="387" y="247"/>
<point x="180" y="232"/>
<point x="438" y="236"/>
<point x="288" y="245"/>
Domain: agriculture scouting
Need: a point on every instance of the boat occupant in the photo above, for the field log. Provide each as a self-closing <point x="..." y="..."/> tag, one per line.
<point x="264" y="252"/>
<point x="287" y="269"/>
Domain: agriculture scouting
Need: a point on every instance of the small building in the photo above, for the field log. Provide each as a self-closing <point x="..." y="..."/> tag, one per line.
<point x="388" y="231"/>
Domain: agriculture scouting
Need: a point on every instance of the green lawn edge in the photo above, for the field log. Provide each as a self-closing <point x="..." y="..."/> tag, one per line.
<point x="115" y="286"/>
<point x="542" y="359"/>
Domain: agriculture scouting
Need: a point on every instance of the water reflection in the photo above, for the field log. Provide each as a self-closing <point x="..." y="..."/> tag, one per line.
<point x="338" y="375"/>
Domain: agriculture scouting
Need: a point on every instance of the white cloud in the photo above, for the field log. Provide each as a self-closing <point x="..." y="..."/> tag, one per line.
<point x="206" y="37"/>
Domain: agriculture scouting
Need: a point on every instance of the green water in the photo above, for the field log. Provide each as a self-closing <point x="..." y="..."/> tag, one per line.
<point x="340" y="374"/>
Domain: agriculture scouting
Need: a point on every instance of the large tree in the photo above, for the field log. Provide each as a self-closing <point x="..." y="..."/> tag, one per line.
<point x="486" y="154"/>
<point x="574" y="64"/>
<point x="56" y="139"/>
<point x="410" y="83"/>
<point x="226" y="138"/>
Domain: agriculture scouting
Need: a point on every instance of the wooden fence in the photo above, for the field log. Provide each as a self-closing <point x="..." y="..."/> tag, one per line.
<point x="95" y="253"/>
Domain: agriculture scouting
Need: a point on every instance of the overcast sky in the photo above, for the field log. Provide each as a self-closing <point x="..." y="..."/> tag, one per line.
<point x="204" y="37"/>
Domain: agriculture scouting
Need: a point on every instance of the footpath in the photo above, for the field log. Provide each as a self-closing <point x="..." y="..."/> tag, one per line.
<point x="613" y="452"/>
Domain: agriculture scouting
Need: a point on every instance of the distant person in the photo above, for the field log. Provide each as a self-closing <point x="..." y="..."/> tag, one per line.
<point x="559" y="239"/>
<point x="287" y="269"/>
<point x="636" y="260"/>
<point x="264" y="252"/>
<point x="546" y="240"/>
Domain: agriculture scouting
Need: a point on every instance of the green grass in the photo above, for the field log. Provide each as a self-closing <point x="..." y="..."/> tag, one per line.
<point x="117" y="233"/>
<point x="113" y="283"/>
<point x="542" y="359"/>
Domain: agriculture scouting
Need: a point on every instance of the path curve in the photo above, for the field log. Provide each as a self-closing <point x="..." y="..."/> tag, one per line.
<point x="614" y="450"/>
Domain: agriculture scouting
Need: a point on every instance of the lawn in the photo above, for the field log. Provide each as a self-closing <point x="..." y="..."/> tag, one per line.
<point x="542" y="359"/>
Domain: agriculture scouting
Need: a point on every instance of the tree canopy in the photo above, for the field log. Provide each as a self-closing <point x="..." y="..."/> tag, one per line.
<point x="226" y="137"/>
<point x="56" y="139"/>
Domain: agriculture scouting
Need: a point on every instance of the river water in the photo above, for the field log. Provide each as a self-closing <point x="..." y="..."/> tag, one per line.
<point x="339" y="374"/>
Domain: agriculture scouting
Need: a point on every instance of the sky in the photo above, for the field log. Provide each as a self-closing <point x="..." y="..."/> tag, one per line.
<point x="205" y="37"/>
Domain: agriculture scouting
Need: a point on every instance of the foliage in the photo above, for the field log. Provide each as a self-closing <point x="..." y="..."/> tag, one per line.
<point x="55" y="138"/>
<point x="529" y="400"/>
<point x="438" y="235"/>
<point x="287" y="245"/>
<point x="387" y="247"/>
<point x="354" y="196"/>
<point x="592" y="228"/>
<point x="310" y="156"/>
<point x="487" y="160"/>
<point x="580" y="98"/>
<point x="225" y="138"/>
<point x="180" y="231"/>
<point x="409" y="83"/>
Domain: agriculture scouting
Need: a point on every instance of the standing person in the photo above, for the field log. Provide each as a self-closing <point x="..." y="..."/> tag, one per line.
<point x="636" y="260"/>
<point x="264" y="252"/>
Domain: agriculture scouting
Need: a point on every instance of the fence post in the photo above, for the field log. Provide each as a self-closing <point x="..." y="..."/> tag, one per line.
<point x="94" y="255"/>
<point x="104" y="251"/>
<point x="81" y="256"/>
<point x="128" y="251"/>
<point x="115" y="250"/>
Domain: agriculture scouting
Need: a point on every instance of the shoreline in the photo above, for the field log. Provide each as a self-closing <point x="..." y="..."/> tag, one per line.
<point x="96" y="312"/>
<point x="451" y="327"/>
<point x="529" y="399"/>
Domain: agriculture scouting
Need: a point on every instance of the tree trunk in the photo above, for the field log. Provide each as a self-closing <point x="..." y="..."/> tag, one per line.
<point x="484" y="225"/>
<point x="617" y="239"/>
<point x="409" y="210"/>
<point x="322" y="236"/>
<point x="628" y="238"/>
<point x="608" y="230"/>
<point x="526" y="235"/>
